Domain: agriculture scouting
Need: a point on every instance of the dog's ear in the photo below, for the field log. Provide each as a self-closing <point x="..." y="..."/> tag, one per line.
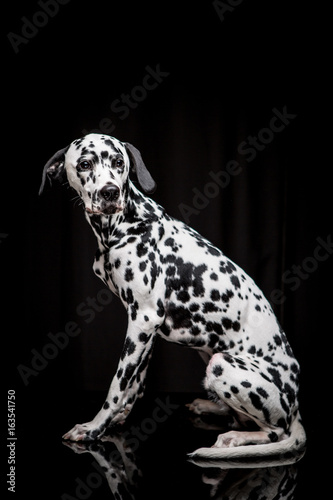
<point x="145" y="179"/>
<point x="54" y="168"/>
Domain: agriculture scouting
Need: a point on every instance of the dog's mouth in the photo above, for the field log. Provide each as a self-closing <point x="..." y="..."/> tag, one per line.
<point x="110" y="210"/>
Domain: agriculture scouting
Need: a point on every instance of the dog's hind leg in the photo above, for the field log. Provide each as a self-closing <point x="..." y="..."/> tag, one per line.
<point x="241" y="384"/>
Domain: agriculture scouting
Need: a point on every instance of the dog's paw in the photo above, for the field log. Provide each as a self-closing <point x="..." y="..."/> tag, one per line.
<point x="83" y="432"/>
<point x="200" y="406"/>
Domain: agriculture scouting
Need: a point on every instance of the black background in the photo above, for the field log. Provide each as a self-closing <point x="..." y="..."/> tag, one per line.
<point x="222" y="80"/>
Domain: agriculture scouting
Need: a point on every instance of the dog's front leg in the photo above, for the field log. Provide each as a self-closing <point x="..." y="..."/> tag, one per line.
<point x="127" y="385"/>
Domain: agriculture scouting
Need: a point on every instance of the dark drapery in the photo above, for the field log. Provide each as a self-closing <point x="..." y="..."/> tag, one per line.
<point x="227" y="118"/>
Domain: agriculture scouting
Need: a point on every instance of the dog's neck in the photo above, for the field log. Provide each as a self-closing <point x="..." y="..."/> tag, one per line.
<point x="139" y="209"/>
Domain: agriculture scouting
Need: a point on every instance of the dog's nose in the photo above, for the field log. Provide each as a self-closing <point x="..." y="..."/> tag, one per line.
<point x="109" y="192"/>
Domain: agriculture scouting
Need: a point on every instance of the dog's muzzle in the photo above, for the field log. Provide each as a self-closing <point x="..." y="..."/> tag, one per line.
<point x="107" y="202"/>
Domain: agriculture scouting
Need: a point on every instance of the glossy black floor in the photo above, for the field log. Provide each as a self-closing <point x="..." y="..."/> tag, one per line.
<point x="146" y="458"/>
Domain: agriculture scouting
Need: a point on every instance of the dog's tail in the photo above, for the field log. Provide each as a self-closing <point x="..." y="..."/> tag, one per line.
<point x="284" y="452"/>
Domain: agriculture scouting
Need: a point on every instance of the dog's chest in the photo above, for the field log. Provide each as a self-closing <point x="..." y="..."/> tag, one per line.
<point x="103" y="269"/>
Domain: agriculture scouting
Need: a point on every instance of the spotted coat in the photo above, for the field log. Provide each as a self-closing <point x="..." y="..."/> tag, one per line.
<point x="174" y="283"/>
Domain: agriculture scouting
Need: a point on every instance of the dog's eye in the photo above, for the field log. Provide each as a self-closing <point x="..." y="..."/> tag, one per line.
<point x="84" y="165"/>
<point x="119" y="163"/>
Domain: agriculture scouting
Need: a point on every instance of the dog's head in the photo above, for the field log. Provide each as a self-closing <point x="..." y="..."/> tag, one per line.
<point x="97" y="166"/>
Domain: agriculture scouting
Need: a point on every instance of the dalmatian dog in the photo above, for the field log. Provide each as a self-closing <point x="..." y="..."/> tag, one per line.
<point x="174" y="283"/>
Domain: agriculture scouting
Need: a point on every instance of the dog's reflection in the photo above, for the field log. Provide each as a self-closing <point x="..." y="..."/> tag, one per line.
<point x="116" y="460"/>
<point x="267" y="483"/>
<point x="260" y="479"/>
<point x="118" y="463"/>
